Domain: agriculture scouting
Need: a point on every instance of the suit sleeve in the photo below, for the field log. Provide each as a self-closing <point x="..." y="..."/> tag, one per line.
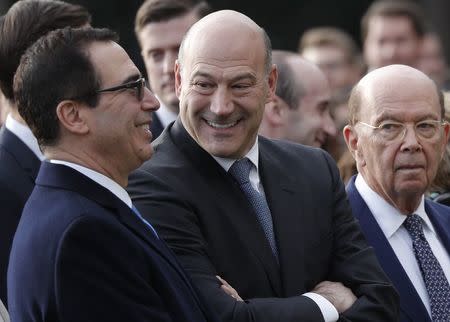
<point x="100" y="275"/>
<point x="355" y="264"/>
<point x="176" y="221"/>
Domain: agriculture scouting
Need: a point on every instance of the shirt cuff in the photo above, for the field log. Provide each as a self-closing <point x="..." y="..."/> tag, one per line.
<point x="329" y="312"/>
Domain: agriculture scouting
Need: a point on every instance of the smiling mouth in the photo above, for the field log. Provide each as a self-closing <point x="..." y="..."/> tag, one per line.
<point x="221" y="125"/>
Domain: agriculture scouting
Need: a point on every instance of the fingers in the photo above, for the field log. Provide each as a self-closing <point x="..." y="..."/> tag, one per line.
<point x="228" y="289"/>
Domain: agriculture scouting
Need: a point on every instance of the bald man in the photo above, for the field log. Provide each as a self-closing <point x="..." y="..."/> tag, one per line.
<point x="397" y="136"/>
<point x="298" y="111"/>
<point x="271" y="218"/>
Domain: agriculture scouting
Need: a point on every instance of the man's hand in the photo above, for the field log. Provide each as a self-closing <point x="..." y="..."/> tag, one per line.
<point x="340" y="296"/>
<point x="227" y="288"/>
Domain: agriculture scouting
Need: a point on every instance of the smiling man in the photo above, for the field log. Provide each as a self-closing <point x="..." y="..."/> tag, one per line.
<point x="397" y="136"/>
<point x="271" y="218"/>
<point x="81" y="251"/>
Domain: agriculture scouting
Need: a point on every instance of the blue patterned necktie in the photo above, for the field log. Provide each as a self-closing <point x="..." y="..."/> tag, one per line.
<point x="138" y="214"/>
<point x="435" y="281"/>
<point x="240" y="170"/>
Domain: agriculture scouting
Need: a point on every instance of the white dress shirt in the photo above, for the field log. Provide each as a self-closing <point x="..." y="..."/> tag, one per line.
<point x="165" y="115"/>
<point x="329" y="312"/>
<point x="99" y="178"/>
<point x="25" y="135"/>
<point x="391" y="221"/>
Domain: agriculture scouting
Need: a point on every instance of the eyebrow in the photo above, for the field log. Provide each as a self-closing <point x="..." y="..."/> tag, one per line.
<point x="234" y="79"/>
<point x="396" y="117"/>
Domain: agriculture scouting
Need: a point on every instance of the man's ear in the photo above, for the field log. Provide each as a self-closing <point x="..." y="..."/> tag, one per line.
<point x="71" y="116"/>
<point x="351" y="139"/>
<point x="276" y="111"/>
<point x="177" y="70"/>
<point x="272" y="82"/>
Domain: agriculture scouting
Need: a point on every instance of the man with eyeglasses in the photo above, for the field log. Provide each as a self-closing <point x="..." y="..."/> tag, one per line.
<point x="82" y="252"/>
<point x="397" y="136"/>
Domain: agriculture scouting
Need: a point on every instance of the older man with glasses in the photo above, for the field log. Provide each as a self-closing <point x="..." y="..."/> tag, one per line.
<point x="397" y="136"/>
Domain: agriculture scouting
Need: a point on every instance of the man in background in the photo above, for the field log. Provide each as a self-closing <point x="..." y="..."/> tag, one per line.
<point x="20" y="156"/>
<point x="299" y="110"/>
<point x="392" y="32"/>
<point x="397" y="136"/>
<point x="336" y="54"/>
<point x="160" y="27"/>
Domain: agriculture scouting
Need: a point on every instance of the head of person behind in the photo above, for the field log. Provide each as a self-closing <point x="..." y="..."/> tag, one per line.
<point x="432" y="59"/>
<point x="224" y="77"/>
<point x="24" y="23"/>
<point x="160" y="26"/>
<point x="95" y="108"/>
<point x="336" y="54"/>
<point x="299" y="110"/>
<point x="397" y="133"/>
<point x="391" y="33"/>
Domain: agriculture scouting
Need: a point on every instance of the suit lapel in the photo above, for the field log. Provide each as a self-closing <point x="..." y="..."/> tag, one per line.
<point x="440" y="218"/>
<point x="64" y="177"/>
<point x="410" y="302"/>
<point x="281" y="194"/>
<point x="24" y="156"/>
<point x="238" y="207"/>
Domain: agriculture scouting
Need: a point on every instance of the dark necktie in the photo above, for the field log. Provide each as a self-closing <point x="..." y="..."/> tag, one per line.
<point x="240" y="170"/>
<point x="435" y="281"/>
<point x="138" y="214"/>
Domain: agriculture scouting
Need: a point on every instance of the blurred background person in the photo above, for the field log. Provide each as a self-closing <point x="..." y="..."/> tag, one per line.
<point x="432" y="61"/>
<point x="392" y="32"/>
<point x="338" y="107"/>
<point x="298" y="111"/>
<point x="336" y="54"/>
<point x="20" y="156"/>
<point x="160" y="27"/>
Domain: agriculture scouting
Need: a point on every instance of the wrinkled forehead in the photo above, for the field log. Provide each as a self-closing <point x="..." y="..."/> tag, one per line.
<point x="404" y="94"/>
<point x="111" y="62"/>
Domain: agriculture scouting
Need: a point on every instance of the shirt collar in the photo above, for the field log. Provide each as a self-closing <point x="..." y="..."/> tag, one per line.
<point x="101" y="179"/>
<point x="165" y="115"/>
<point x="252" y="155"/>
<point x="389" y="218"/>
<point x="25" y="135"/>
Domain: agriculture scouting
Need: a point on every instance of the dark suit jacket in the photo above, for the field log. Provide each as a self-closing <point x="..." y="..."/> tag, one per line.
<point x="80" y="254"/>
<point x="411" y="306"/>
<point x="206" y="219"/>
<point x="156" y="126"/>
<point x="18" y="170"/>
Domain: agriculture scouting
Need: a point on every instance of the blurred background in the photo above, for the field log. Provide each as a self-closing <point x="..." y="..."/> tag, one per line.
<point x="284" y="20"/>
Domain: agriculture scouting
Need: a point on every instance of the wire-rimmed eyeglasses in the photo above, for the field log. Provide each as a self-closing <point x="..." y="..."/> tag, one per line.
<point x="392" y="130"/>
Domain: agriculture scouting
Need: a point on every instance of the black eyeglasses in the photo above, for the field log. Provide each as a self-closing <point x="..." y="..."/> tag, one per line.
<point x="139" y="85"/>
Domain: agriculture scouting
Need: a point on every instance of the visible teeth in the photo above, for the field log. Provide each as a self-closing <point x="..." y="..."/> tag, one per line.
<point x="145" y="126"/>
<point x="221" y="126"/>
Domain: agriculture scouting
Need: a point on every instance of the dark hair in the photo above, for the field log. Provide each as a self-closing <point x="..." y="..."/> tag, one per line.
<point x="24" y="23"/>
<point x="164" y="10"/>
<point x="288" y="87"/>
<point x="55" y="68"/>
<point x="387" y="8"/>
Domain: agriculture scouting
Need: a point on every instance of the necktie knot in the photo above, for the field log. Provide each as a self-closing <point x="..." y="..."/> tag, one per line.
<point x="240" y="170"/>
<point x="413" y="224"/>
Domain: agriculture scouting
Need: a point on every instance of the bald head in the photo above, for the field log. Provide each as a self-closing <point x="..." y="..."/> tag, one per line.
<point x="384" y="83"/>
<point x="219" y="32"/>
<point x="292" y="84"/>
